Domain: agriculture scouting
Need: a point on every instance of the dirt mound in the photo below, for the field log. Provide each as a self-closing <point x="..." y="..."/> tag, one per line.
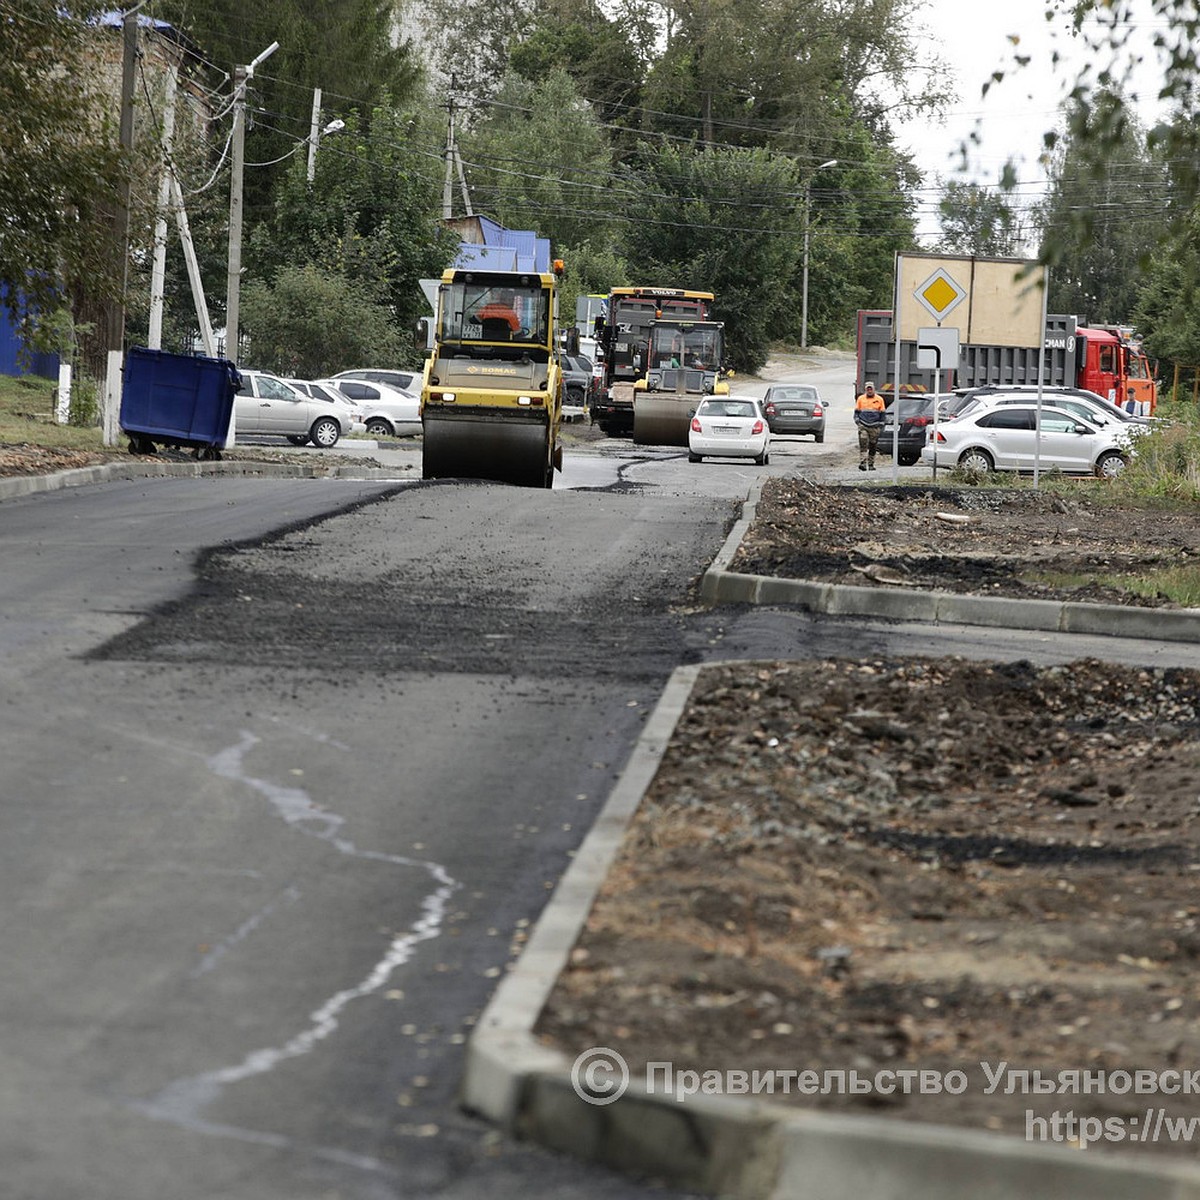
<point x="1000" y="542"/>
<point x="912" y="864"/>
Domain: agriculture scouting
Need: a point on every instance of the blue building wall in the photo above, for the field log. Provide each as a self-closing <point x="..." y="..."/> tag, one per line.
<point x="44" y="365"/>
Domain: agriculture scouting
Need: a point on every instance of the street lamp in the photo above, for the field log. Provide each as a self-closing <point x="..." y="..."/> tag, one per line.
<point x="804" y="284"/>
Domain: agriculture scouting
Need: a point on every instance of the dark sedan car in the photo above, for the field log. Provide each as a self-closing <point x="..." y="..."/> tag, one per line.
<point x="795" y="408"/>
<point x="577" y="379"/>
<point x="916" y="416"/>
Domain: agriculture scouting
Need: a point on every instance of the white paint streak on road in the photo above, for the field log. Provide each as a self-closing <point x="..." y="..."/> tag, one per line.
<point x="183" y="1101"/>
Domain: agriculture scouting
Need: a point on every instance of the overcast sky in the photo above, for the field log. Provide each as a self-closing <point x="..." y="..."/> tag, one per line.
<point x="975" y="40"/>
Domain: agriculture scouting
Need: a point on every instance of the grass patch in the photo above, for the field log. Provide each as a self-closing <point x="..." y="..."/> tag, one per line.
<point x="1178" y="584"/>
<point x="27" y="414"/>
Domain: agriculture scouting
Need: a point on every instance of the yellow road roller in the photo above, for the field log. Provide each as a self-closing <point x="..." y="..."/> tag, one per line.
<point x="684" y="364"/>
<point x="491" y="396"/>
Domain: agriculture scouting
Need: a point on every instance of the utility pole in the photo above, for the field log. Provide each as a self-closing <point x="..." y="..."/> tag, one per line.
<point x="159" y="270"/>
<point x="451" y="155"/>
<point x="314" y="134"/>
<point x="241" y="77"/>
<point x="115" y="331"/>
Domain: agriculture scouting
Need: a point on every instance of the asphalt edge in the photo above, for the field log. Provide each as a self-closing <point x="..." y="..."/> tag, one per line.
<point x="729" y="1146"/>
<point x="12" y="486"/>
<point x="720" y="585"/>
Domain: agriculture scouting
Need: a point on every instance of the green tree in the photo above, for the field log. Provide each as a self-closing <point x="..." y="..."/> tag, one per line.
<point x="344" y="47"/>
<point x="59" y="165"/>
<point x="1105" y="211"/>
<point x="308" y="323"/>
<point x="862" y="213"/>
<point x="604" y="54"/>
<point x="540" y="161"/>
<point x="370" y="216"/>
<point x="725" y="221"/>
<point x="977" y="220"/>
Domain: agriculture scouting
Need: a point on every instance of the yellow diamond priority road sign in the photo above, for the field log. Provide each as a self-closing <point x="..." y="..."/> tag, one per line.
<point x="940" y="294"/>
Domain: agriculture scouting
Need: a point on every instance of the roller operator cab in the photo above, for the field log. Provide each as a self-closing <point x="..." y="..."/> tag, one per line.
<point x="491" y="397"/>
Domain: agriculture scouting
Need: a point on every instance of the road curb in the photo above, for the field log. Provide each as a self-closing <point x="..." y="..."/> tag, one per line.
<point x="728" y="1146"/>
<point x="27" y="485"/>
<point x="720" y="585"/>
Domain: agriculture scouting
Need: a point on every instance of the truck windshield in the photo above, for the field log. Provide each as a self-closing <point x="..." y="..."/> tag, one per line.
<point x="488" y="312"/>
<point x="698" y="347"/>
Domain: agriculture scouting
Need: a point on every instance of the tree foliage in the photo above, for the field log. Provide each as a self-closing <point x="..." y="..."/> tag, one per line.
<point x="977" y="220"/>
<point x="540" y="161"/>
<point x="307" y="323"/>
<point x="369" y="216"/>
<point x="1106" y="210"/>
<point x="721" y="221"/>
<point x="59" y="164"/>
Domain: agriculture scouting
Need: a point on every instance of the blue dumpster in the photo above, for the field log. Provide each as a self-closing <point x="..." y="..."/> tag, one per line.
<point x="177" y="400"/>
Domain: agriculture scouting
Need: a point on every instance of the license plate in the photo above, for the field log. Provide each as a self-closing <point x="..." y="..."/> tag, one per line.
<point x="725" y="429"/>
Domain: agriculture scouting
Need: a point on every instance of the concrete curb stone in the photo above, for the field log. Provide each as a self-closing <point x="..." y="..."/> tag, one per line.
<point x="26" y="485"/>
<point x="720" y="585"/>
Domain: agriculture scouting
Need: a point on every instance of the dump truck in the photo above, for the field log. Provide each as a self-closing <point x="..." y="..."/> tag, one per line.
<point x="491" y="394"/>
<point x="1103" y="359"/>
<point x="996" y="310"/>
<point x="684" y="363"/>
<point x="622" y="334"/>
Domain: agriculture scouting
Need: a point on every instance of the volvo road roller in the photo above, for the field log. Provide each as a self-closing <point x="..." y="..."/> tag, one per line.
<point x="684" y="364"/>
<point x="491" y="397"/>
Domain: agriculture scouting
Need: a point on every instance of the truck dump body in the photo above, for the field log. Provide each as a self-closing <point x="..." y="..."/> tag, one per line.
<point x="491" y="397"/>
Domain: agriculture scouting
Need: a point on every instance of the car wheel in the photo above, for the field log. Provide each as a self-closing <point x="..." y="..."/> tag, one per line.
<point x="378" y="427"/>
<point x="907" y="460"/>
<point x="575" y="396"/>
<point x="1109" y="466"/>
<point x="976" y="460"/>
<point x="694" y="457"/>
<point x="325" y="432"/>
<point x="818" y="437"/>
<point x="298" y="439"/>
<point x="762" y="459"/>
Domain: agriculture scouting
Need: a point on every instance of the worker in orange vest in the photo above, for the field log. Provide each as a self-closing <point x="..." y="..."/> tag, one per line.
<point x="868" y="416"/>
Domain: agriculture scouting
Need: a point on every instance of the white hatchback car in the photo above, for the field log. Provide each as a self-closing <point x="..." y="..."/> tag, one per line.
<point x="1004" y="437"/>
<point x="729" y="427"/>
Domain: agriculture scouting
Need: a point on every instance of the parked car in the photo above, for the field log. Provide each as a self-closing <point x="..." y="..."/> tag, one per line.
<point x="325" y="391"/>
<point x="795" y="408"/>
<point x="406" y="381"/>
<point x="916" y="416"/>
<point x="1052" y="394"/>
<point x="266" y="404"/>
<point x="577" y="379"/>
<point x="729" y="427"/>
<point x="1003" y="437"/>
<point x="385" y="411"/>
<point x="1085" y="404"/>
